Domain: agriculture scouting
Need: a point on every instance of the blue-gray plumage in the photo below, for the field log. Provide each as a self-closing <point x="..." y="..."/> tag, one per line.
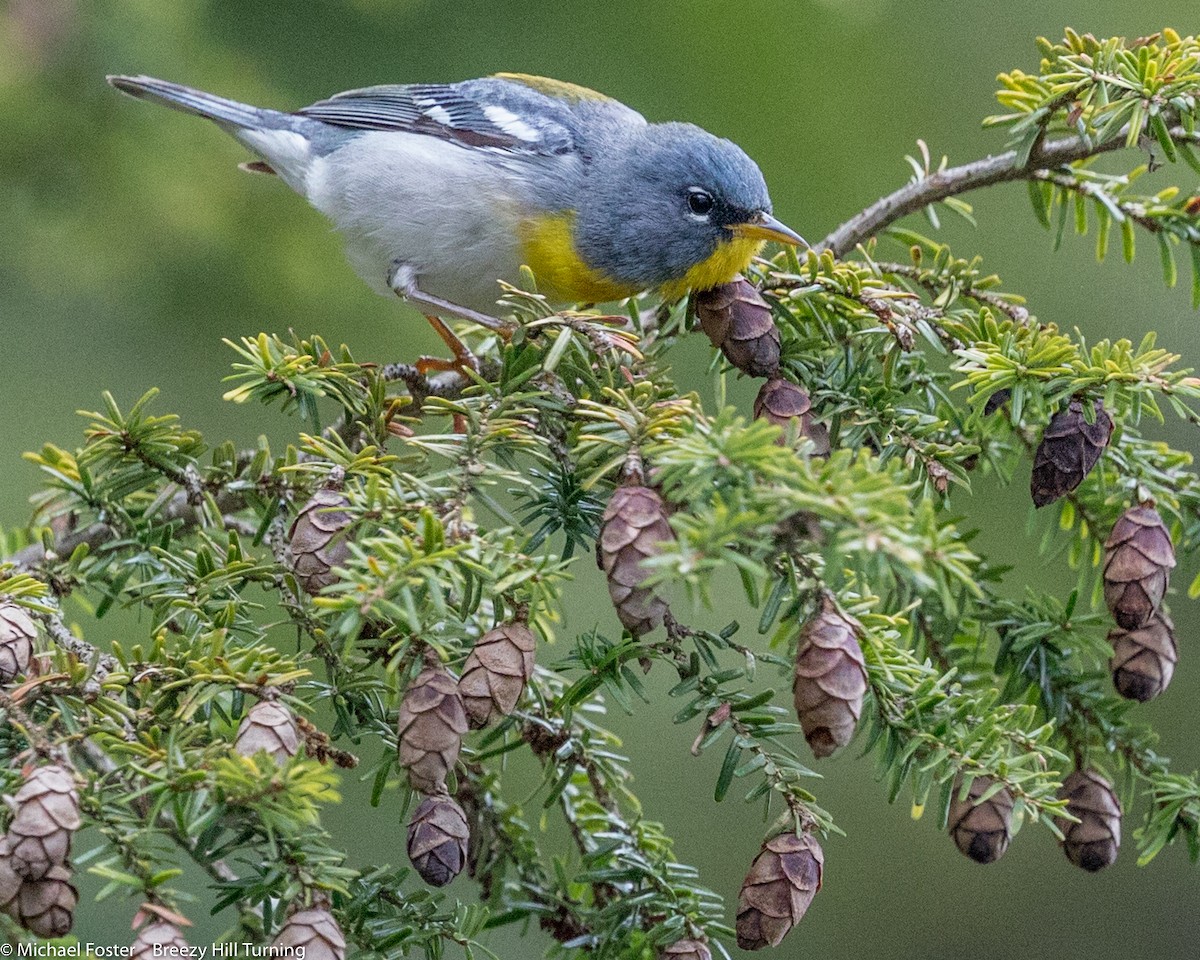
<point x="447" y="188"/>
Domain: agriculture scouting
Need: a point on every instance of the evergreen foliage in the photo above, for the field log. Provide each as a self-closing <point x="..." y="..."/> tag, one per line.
<point x="459" y="504"/>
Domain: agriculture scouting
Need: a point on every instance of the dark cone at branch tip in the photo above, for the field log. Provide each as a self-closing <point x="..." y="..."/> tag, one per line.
<point x="1091" y="843"/>
<point x="1069" y="449"/>
<point x="787" y="406"/>
<point x="738" y="321"/>
<point x="431" y="725"/>
<point x="783" y="879"/>
<point x="1138" y="557"/>
<point x="17" y="635"/>
<point x="1144" y="659"/>
<point x="496" y="671"/>
<point x="318" y="539"/>
<point x="829" y="682"/>
<point x="632" y="529"/>
<point x="981" y="830"/>
<point x="437" y="840"/>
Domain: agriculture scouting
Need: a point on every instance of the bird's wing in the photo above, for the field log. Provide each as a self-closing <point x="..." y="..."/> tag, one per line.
<point x="509" y="112"/>
<point x="453" y="112"/>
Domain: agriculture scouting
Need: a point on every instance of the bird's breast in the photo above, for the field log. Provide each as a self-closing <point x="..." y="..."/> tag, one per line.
<point x="548" y="249"/>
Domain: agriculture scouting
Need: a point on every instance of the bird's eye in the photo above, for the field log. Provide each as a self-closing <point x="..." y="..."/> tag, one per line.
<point x="700" y="202"/>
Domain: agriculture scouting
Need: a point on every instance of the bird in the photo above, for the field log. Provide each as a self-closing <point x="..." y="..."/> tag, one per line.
<point x="443" y="190"/>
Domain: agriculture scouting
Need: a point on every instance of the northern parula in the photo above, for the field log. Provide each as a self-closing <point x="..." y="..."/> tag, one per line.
<point x="441" y="190"/>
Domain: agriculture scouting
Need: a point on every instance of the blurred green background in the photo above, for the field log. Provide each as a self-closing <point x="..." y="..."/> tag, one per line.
<point x="132" y="245"/>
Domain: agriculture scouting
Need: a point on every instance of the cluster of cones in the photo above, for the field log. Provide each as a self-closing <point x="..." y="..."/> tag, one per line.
<point x="435" y="714"/>
<point x="1138" y="555"/>
<point x="981" y="819"/>
<point x="35" y="873"/>
<point x="738" y="321"/>
<point x="437" y="709"/>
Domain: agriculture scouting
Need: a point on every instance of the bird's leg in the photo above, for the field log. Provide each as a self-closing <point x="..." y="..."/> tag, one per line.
<point x="403" y="281"/>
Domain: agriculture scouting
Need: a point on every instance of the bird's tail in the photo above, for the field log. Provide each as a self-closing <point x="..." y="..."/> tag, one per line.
<point x="178" y="97"/>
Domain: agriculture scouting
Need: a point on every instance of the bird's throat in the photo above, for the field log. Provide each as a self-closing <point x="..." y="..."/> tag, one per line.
<point x="726" y="262"/>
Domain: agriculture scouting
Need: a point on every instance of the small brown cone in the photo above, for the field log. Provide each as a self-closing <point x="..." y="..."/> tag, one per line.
<point x="1092" y="843"/>
<point x="437" y="840"/>
<point x="1069" y="449"/>
<point x="738" y="321"/>
<point x="313" y="934"/>
<point x="781" y="402"/>
<point x="431" y="727"/>
<point x="46" y="907"/>
<point x="159" y="939"/>
<point x="270" y="726"/>
<point x="783" y="879"/>
<point x="10" y="883"/>
<point x="318" y="540"/>
<point x="496" y="671"/>
<point x="17" y="635"/>
<point x="1143" y="660"/>
<point x="686" y="950"/>
<point x="46" y="814"/>
<point x="981" y="831"/>
<point x="829" y="681"/>
<point x="632" y="528"/>
<point x="1138" y="557"/>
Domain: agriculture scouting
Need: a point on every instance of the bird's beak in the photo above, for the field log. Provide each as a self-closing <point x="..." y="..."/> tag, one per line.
<point x="763" y="226"/>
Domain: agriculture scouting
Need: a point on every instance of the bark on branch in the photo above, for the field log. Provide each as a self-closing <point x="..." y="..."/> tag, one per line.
<point x="951" y="182"/>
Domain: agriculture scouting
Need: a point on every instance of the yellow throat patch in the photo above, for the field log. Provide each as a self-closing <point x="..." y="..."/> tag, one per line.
<point x="726" y="262"/>
<point x="548" y="249"/>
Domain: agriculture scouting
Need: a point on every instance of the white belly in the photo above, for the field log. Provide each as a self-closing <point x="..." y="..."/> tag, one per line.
<point x="446" y="212"/>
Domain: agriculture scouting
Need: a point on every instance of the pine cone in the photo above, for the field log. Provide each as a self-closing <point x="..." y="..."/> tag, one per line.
<point x="312" y="934"/>
<point x="687" y="950"/>
<point x="46" y="907"/>
<point x="1092" y="842"/>
<point x="10" y="883"/>
<point x="496" y="672"/>
<point x="738" y="321"/>
<point x="1069" y="449"/>
<point x="318" y="539"/>
<point x="633" y="526"/>
<point x="46" y="814"/>
<point x="431" y="727"/>
<point x="1138" y="557"/>
<point x="1143" y="660"/>
<point x="159" y="939"/>
<point x="17" y="634"/>
<point x="829" y="681"/>
<point x="780" y="402"/>
<point x="437" y="840"/>
<point x="270" y="726"/>
<point x="982" y="831"/>
<point x="783" y="879"/>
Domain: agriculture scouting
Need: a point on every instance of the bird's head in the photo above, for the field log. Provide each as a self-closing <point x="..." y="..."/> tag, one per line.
<point x="675" y="207"/>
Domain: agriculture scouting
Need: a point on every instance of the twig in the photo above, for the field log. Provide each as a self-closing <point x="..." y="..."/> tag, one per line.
<point x="1002" y="168"/>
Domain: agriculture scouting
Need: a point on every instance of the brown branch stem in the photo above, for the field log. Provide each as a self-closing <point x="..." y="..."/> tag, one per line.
<point x="951" y="182"/>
